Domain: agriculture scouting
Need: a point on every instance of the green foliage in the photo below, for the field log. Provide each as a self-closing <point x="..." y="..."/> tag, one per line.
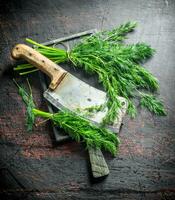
<point x="117" y="67"/>
<point x="152" y="103"/>
<point x="24" y="67"/>
<point x="132" y="112"/>
<point x="93" y="109"/>
<point x="90" y="111"/>
<point x="81" y="129"/>
<point x="116" y="64"/>
<point x="119" y="33"/>
<point x="29" y="103"/>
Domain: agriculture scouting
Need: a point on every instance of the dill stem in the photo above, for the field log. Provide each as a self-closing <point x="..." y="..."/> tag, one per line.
<point x="42" y="122"/>
<point x="43" y="114"/>
<point x="21" y="67"/>
<point x="28" y="72"/>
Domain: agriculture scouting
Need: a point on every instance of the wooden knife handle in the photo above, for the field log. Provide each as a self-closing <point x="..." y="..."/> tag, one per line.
<point x="55" y="72"/>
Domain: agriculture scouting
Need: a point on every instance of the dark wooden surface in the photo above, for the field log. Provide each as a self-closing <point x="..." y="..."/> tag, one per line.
<point x="31" y="166"/>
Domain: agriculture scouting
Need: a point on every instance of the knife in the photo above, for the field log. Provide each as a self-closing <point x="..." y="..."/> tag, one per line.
<point x="67" y="91"/>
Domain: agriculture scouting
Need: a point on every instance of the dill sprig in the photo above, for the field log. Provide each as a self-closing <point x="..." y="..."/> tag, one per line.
<point x="117" y="65"/>
<point x="29" y="103"/>
<point x="119" y="33"/>
<point x="152" y="103"/>
<point x="131" y="109"/>
<point x="82" y="130"/>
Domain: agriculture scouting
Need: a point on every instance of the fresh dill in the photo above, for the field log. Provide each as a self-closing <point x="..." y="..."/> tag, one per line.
<point x="152" y="103"/>
<point x="29" y="103"/>
<point x="117" y="65"/>
<point x="80" y="129"/>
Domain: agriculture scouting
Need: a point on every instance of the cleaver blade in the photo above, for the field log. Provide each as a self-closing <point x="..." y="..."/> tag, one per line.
<point x="77" y="96"/>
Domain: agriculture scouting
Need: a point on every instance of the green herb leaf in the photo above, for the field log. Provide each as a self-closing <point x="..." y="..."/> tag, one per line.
<point x="152" y="103"/>
<point x="132" y="112"/>
<point x="118" y="34"/>
<point x="29" y="103"/>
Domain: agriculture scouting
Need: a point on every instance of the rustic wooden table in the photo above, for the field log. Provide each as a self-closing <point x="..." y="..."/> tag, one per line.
<point x="31" y="165"/>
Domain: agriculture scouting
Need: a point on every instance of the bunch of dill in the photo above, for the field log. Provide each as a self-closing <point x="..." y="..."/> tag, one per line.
<point x="117" y="66"/>
<point x="80" y="129"/>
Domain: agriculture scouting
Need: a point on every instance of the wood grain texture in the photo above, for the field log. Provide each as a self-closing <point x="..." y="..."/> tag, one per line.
<point x="144" y="167"/>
